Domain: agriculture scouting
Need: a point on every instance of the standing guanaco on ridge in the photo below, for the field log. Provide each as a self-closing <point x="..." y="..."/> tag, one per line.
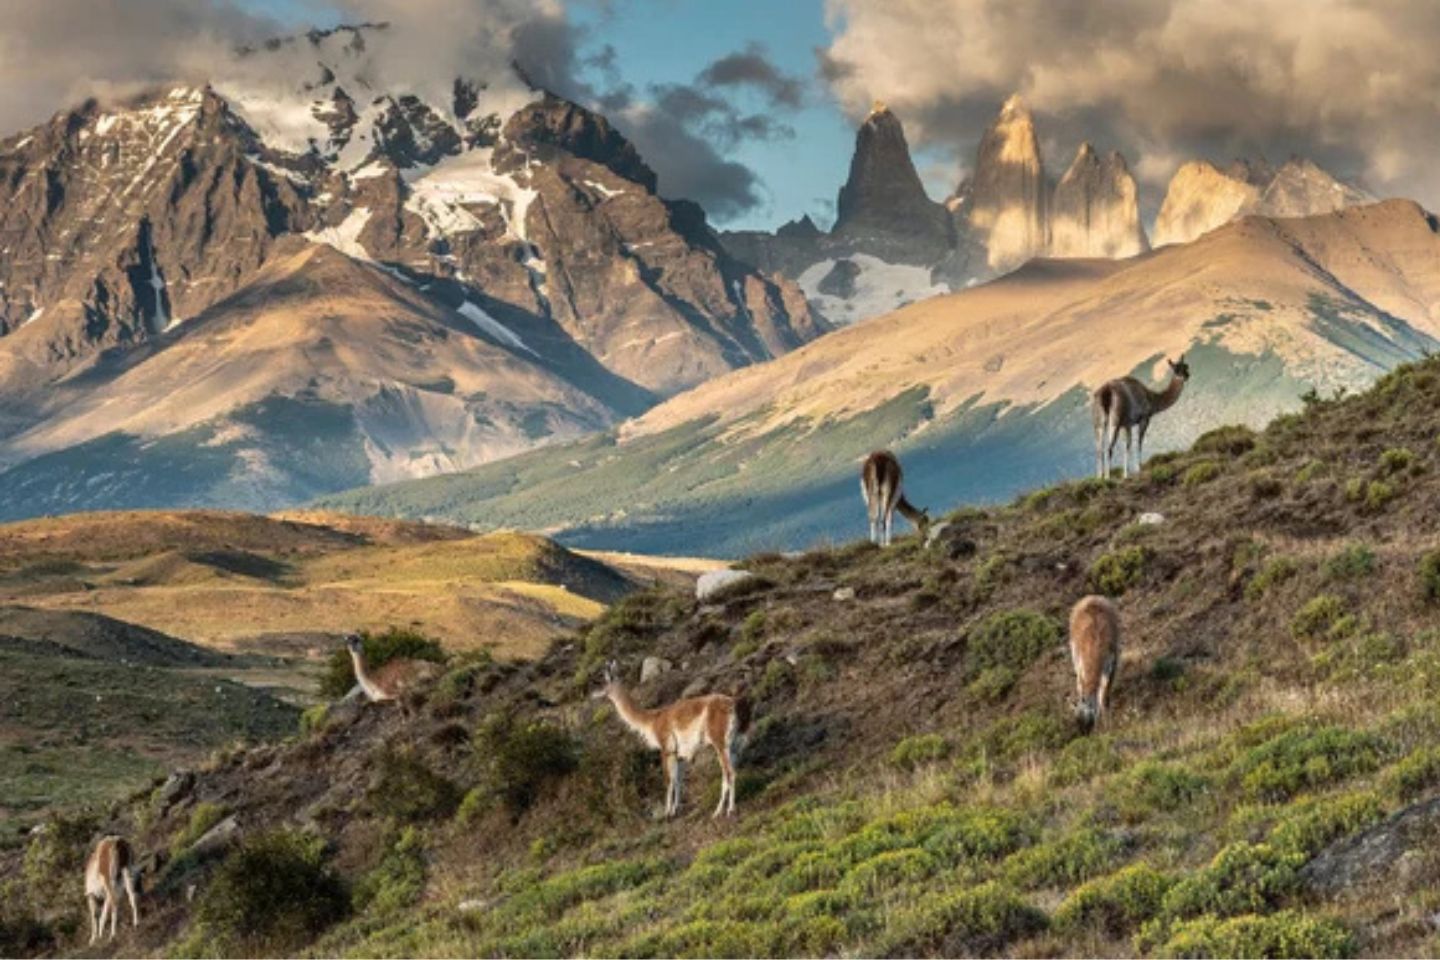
<point x="111" y="863"/>
<point x="880" y="478"/>
<point x="392" y="680"/>
<point x="1125" y="403"/>
<point x="679" y="730"/>
<point x="1095" y="648"/>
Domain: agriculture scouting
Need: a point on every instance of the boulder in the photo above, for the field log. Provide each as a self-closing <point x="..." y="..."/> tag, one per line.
<point x="713" y="582"/>
<point x="1387" y="853"/>
<point x="652" y="667"/>
<point x="950" y="540"/>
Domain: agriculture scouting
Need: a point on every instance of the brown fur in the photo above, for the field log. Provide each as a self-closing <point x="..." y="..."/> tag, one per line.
<point x="1125" y="402"/>
<point x="880" y="485"/>
<point x="1095" y="650"/>
<point x="681" y="729"/>
<point x="395" y="680"/>
<point x="110" y="864"/>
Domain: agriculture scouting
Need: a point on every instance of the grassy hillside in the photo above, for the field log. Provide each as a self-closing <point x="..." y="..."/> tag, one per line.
<point x="915" y="782"/>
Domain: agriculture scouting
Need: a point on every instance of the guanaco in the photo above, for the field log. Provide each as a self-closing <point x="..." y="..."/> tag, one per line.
<point x="1095" y="648"/>
<point x="1125" y="403"/>
<point x="880" y="478"/>
<point x="111" y="863"/>
<point x="679" y="730"/>
<point x="392" y="680"/>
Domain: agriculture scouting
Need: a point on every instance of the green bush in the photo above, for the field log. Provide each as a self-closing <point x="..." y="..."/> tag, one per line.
<point x="1351" y="563"/>
<point x="975" y="921"/>
<point x="1012" y="640"/>
<point x="1034" y="731"/>
<point x="1242" y="878"/>
<point x="522" y="757"/>
<point x="1308" y="826"/>
<point x="1413" y="775"/>
<point x="1317" y="617"/>
<point x="1085" y="758"/>
<point x="887" y="870"/>
<point x="1202" y="472"/>
<point x="397" y="881"/>
<point x="274" y="894"/>
<point x="919" y="750"/>
<point x="202" y="818"/>
<point x="1226" y="441"/>
<point x="1396" y="460"/>
<point x="627" y="626"/>
<point x="1114" y="905"/>
<point x="1303" y="758"/>
<point x="407" y="790"/>
<point x="313" y="719"/>
<point x="1114" y="573"/>
<point x="1277" y="570"/>
<point x="56" y="856"/>
<point x="380" y="648"/>
<point x="1284" y="934"/>
<point x="1430" y="576"/>
<point x="1153" y="785"/>
<point x="752" y="629"/>
<point x="1071" y="859"/>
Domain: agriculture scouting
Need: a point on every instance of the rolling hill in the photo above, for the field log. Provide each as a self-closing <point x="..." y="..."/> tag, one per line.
<point x="982" y="393"/>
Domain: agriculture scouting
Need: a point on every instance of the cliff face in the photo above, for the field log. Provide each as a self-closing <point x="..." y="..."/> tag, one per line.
<point x="1008" y="192"/>
<point x="1095" y="212"/>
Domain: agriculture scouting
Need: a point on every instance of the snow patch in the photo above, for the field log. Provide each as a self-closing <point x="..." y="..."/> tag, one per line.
<point x="345" y="235"/>
<point x="601" y="189"/>
<point x="493" y="327"/>
<point x="439" y="194"/>
<point x="880" y="287"/>
<point x="34" y="315"/>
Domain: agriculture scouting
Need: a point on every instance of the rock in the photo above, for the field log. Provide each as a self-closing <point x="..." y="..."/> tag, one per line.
<point x="176" y="786"/>
<point x="469" y="906"/>
<point x="1150" y="519"/>
<point x="218" y="837"/>
<point x="716" y="580"/>
<point x="652" y="667"/>
<point x="950" y="540"/>
<point x="792" y="554"/>
<point x="1200" y="198"/>
<point x="695" y="688"/>
<point x="1385" y="853"/>
<point x="844" y="593"/>
<point x="840" y="281"/>
<point x="1095" y="211"/>
<point x="1007" y="198"/>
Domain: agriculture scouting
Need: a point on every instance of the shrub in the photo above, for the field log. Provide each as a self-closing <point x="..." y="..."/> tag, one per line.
<point x="887" y="870"/>
<point x="1202" y="472"/>
<point x="1034" y="731"/>
<point x="272" y="895"/>
<point x="1114" y="573"/>
<point x="1430" y="576"/>
<point x="978" y="920"/>
<point x="752" y="629"/>
<point x="1156" y="786"/>
<point x="1276" y="571"/>
<point x="314" y="718"/>
<point x="202" y="818"/>
<point x="919" y="750"/>
<point x="1309" y="826"/>
<point x="1242" y="878"/>
<point x="1228" y="441"/>
<point x="627" y="625"/>
<point x="380" y="648"/>
<point x="1351" y="563"/>
<point x="522" y="757"/>
<point x="1317" y="617"/>
<point x="1303" y="758"/>
<point x="408" y="790"/>
<point x="398" y="879"/>
<point x="1085" y="758"/>
<point x="991" y="572"/>
<point x="1377" y="494"/>
<point x="56" y="856"/>
<point x="1396" y="460"/>
<point x="1285" y="934"/>
<point x="1114" y="905"/>
<point x="1413" y="775"/>
<point x="1013" y="640"/>
<point x="1073" y="858"/>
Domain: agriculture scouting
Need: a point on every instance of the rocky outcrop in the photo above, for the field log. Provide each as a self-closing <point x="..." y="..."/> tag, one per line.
<point x="1008" y="192"/>
<point x="1095" y="211"/>
<point x="883" y="204"/>
<point x="1201" y="197"/>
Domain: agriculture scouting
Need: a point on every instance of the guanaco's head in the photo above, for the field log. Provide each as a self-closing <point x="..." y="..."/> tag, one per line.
<point x="1086" y="712"/>
<point x="609" y="681"/>
<point x="922" y="525"/>
<point x="1180" y="368"/>
<point x="353" y="643"/>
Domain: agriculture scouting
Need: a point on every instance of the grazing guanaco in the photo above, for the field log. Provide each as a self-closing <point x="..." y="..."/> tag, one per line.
<point x="1095" y="648"/>
<point x="679" y="730"/>
<point x="880" y="478"/>
<point x="1125" y="403"/>
<point x="392" y="680"/>
<point x="111" y="863"/>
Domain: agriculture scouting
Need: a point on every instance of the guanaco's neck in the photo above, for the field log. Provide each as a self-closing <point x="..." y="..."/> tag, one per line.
<point x="362" y="673"/>
<point x="1166" y="398"/>
<point x="908" y="511"/>
<point x="636" y="718"/>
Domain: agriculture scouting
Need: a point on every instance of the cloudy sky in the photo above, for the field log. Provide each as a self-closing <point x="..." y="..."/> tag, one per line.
<point x="748" y="105"/>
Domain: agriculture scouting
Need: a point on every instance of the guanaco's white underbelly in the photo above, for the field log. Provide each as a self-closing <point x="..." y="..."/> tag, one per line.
<point x="688" y="740"/>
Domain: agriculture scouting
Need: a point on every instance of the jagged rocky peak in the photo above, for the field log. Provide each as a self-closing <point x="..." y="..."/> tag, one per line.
<point x="802" y="228"/>
<point x="1095" y="211"/>
<point x="1301" y="188"/>
<point x="1007" y="209"/>
<point x="883" y="200"/>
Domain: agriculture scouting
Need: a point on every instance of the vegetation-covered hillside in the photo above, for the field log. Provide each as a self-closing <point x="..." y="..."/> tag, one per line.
<point x="915" y="782"/>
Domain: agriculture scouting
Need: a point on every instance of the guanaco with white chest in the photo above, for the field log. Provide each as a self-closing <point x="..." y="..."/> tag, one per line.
<point x="111" y="864"/>
<point x="880" y="478"/>
<point x="1095" y="648"/>
<point x="392" y="680"/>
<point x="1127" y="403"/>
<point x="680" y="730"/>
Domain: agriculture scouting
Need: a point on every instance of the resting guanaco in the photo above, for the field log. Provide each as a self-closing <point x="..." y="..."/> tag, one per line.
<point x="1125" y="403"/>
<point x="1095" y="648"/>
<point x="111" y="863"/>
<point x="679" y="730"/>
<point x="880" y="478"/>
<point x="392" y="680"/>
